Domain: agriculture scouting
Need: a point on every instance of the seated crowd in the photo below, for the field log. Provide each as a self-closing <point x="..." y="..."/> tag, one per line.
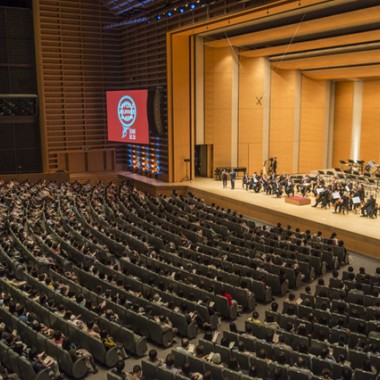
<point x="98" y="269"/>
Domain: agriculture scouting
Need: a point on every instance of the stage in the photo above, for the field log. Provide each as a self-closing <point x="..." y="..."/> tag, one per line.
<point x="361" y="235"/>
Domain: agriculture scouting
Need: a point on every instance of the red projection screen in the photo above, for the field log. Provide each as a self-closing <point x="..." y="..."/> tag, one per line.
<point x="127" y="117"/>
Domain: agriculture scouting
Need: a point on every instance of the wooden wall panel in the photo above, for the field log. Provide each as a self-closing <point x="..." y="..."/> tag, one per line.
<point x="370" y="134"/>
<point x="251" y="109"/>
<point x="344" y="92"/>
<point x="78" y="60"/>
<point x="218" y="91"/>
<point x="314" y="98"/>
<point x="282" y="115"/>
<point x="180" y="76"/>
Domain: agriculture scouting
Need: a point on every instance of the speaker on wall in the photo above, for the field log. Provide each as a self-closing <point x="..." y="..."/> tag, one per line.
<point x="154" y="112"/>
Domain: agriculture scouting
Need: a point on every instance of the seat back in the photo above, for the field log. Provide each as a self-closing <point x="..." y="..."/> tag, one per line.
<point x="196" y="364"/>
<point x="230" y="375"/>
<point x="113" y="376"/>
<point x="359" y="374"/>
<point x="275" y="367"/>
<point x="295" y="374"/>
<point x="261" y="366"/>
<point x="243" y="359"/>
<point x="164" y="374"/>
<point x="149" y="369"/>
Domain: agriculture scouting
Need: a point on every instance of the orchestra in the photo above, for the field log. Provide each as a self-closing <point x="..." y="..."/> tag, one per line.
<point x="337" y="192"/>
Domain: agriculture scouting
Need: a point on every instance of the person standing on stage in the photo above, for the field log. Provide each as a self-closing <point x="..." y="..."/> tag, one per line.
<point x="232" y="178"/>
<point x="245" y="181"/>
<point x="224" y="178"/>
<point x="274" y="166"/>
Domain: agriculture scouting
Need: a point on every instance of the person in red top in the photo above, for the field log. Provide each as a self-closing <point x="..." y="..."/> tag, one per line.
<point x="227" y="296"/>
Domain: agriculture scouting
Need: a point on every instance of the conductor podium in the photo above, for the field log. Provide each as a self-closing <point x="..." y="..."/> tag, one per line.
<point x="298" y="201"/>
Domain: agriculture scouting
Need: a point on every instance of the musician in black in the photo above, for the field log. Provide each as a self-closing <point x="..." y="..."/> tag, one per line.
<point x="277" y="187"/>
<point x="256" y="182"/>
<point x="357" y="197"/>
<point x="245" y="181"/>
<point x="322" y="197"/>
<point x="224" y="178"/>
<point x="342" y="203"/>
<point x="232" y="178"/>
<point x="274" y="165"/>
<point x="267" y="185"/>
<point x="289" y="187"/>
<point x="304" y="186"/>
<point x="369" y="207"/>
<point x="319" y="183"/>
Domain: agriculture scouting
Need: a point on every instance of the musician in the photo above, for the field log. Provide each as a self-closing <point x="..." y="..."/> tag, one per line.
<point x="289" y="187"/>
<point x="342" y="203"/>
<point x="245" y="181"/>
<point x="266" y="184"/>
<point x="232" y="178"/>
<point x="249" y="185"/>
<point x="357" y="192"/>
<point x="349" y="185"/>
<point x="274" y="165"/>
<point x="256" y="182"/>
<point x="224" y="178"/>
<point x="319" y="183"/>
<point x="304" y="186"/>
<point x="360" y="192"/>
<point x="277" y="187"/>
<point x="334" y="184"/>
<point x="323" y="197"/>
<point x="369" y="207"/>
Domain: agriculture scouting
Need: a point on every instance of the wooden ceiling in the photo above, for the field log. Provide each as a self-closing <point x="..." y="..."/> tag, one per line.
<point x="339" y="42"/>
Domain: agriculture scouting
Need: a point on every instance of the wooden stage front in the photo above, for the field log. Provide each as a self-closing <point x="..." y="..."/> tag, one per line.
<point x="361" y="235"/>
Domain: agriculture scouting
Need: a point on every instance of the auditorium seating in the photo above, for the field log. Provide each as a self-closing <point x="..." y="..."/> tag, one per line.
<point x="121" y="247"/>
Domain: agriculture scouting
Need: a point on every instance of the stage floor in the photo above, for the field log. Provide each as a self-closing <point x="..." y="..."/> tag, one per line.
<point x="349" y="222"/>
<point x="359" y="234"/>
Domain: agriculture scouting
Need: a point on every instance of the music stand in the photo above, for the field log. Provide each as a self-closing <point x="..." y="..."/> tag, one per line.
<point x="186" y="177"/>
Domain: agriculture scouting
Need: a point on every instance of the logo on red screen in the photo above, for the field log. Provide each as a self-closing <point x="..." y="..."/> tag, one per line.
<point x="127" y="116"/>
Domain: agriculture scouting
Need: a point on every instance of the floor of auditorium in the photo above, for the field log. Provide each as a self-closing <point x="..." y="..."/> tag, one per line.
<point x="357" y="261"/>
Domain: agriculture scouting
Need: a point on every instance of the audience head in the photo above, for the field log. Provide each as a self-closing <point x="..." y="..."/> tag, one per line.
<point x="169" y="360"/>
<point x="137" y="370"/>
<point x="152" y="354"/>
<point x="199" y="350"/>
<point x="274" y="306"/>
<point x="216" y="358"/>
<point x="241" y="346"/>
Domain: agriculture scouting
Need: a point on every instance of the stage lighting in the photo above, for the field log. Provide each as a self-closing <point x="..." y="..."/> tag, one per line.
<point x="170" y="14"/>
<point x="181" y="10"/>
<point x="192" y="6"/>
<point x="158" y="17"/>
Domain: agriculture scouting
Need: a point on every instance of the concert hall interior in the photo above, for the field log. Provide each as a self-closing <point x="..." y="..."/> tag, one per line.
<point x="125" y="124"/>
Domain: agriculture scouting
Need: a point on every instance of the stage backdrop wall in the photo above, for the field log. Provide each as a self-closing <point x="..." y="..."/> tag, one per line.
<point x="218" y="103"/>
